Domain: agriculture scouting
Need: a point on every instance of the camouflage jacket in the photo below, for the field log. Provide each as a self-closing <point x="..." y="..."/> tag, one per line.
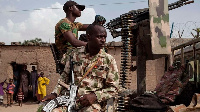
<point x="61" y="27"/>
<point x="103" y="79"/>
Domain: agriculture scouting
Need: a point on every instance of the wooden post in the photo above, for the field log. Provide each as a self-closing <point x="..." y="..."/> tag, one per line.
<point x="141" y="70"/>
<point x="141" y="59"/>
<point x="182" y="56"/>
<point x="172" y="58"/>
<point x="195" y="65"/>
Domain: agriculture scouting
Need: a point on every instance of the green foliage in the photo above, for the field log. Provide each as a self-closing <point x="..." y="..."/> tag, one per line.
<point x="40" y="108"/>
<point x="197" y="30"/>
<point x="36" y="41"/>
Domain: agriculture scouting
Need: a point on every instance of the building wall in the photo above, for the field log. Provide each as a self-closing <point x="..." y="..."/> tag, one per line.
<point x="42" y="57"/>
<point x="29" y="55"/>
<point x="154" y="70"/>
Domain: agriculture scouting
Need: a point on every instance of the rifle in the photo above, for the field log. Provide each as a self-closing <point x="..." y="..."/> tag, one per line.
<point x="65" y="100"/>
<point x="56" y="56"/>
<point x="73" y="90"/>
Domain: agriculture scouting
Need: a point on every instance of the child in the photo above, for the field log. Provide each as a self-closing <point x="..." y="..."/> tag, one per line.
<point x="20" y="97"/>
<point x="10" y="92"/>
<point x="1" y="92"/>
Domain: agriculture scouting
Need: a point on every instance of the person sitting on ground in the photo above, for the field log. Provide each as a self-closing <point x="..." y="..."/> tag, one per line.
<point x="101" y="80"/>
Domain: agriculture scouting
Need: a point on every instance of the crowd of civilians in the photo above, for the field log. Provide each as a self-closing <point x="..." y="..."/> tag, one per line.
<point x="24" y="86"/>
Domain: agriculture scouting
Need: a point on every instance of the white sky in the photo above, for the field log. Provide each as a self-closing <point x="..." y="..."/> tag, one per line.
<point x="25" y="25"/>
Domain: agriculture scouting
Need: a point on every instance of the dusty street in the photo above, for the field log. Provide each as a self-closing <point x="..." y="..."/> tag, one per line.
<point x="26" y="107"/>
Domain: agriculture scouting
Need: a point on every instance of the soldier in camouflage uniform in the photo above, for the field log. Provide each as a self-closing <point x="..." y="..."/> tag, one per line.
<point x="101" y="83"/>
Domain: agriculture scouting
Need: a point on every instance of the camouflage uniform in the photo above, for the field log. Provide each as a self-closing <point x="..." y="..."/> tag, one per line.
<point x="103" y="79"/>
<point x="61" y="27"/>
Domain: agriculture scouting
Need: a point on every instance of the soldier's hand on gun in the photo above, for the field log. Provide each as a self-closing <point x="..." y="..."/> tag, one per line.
<point x="49" y="97"/>
<point x="87" y="100"/>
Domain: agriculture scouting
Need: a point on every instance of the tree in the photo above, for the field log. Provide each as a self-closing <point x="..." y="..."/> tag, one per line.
<point x="197" y="31"/>
<point x="36" y="41"/>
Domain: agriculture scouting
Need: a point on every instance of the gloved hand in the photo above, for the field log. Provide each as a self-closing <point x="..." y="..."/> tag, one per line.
<point x="99" y="19"/>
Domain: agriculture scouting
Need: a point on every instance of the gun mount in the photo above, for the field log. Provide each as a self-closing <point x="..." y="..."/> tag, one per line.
<point x="136" y="16"/>
<point x="129" y="26"/>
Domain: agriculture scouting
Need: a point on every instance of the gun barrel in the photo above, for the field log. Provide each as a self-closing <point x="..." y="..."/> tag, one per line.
<point x="71" y="70"/>
<point x="189" y="2"/>
<point x="179" y="4"/>
<point x="141" y="14"/>
<point x="73" y="77"/>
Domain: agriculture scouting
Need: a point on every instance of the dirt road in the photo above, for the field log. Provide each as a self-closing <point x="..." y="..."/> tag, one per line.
<point x="26" y="107"/>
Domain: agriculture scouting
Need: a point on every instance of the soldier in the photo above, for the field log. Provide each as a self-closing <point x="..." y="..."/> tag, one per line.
<point x="66" y="30"/>
<point x="102" y="80"/>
